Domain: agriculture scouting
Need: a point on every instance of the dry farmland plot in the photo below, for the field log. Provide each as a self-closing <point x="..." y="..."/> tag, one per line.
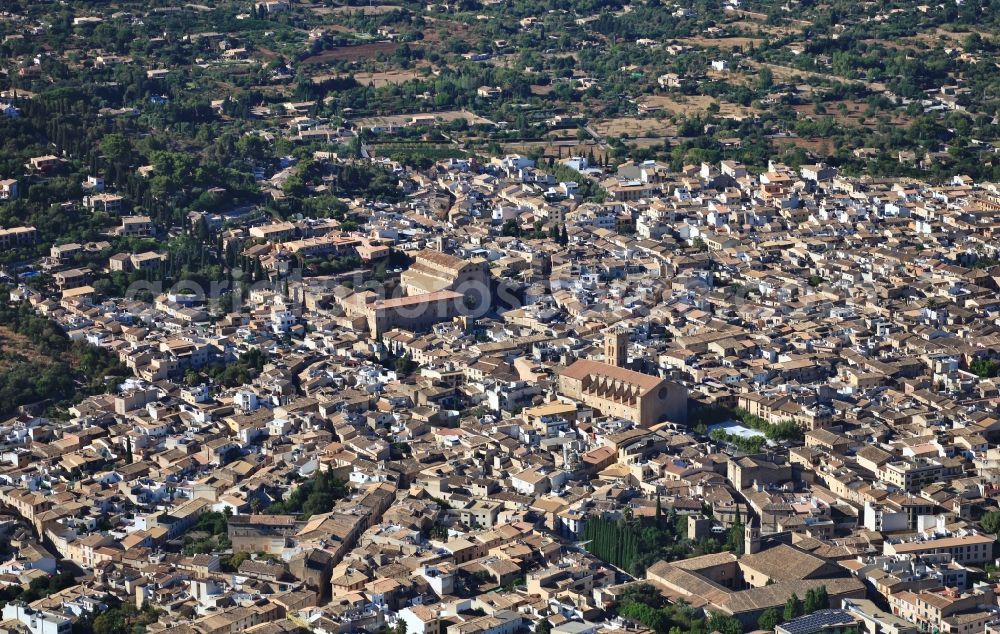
<point x="633" y="127"/>
<point x="771" y="30"/>
<point x="378" y="9"/>
<point x="852" y="114"/>
<point x="721" y="42"/>
<point x="389" y="77"/>
<point x="441" y="118"/>
<point x="819" y="147"/>
<point x="750" y="15"/>
<point x="759" y="23"/>
<point x="508" y="60"/>
<point x="442" y="28"/>
<point x="693" y="105"/>
<point x="353" y="53"/>
<point x="942" y="37"/>
<point x="338" y="28"/>
<point x="785" y="73"/>
<point x="284" y="91"/>
<point x="17" y="346"/>
<point x="267" y="54"/>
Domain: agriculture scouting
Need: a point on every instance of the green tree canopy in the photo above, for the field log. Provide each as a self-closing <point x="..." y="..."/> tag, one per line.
<point x="769" y="619"/>
<point x="793" y="608"/>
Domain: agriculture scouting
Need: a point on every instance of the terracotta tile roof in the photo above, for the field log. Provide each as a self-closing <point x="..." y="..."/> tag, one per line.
<point x="585" y="367"/>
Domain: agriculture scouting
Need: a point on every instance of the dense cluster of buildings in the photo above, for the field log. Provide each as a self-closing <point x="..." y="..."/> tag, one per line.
<point x="493" y="393"/>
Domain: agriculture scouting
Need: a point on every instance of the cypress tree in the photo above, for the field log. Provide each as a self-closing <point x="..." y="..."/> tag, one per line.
<point x="597" y="536"/>
<point x="623" y="549"/>
<point x="810" y="603"/>
<point x="822" y="598"/>
<point x="633" y="552"/>
<point x="616" y="551"/>
<point x="610" y="538"/>
<point x="793" y="608"/>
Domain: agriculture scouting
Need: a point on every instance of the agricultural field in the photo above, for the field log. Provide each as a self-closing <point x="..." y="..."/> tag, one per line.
<point x="722" y="42"/>
<point x="395" y="77"/>
<point x="374" y="9"/>
<point x="380" y="78"/>
<point x="633" y="127"/>
<point x="853" y="113"/>
<point x="691" y="105"/>
<point x="353" y="53"/>
<point x="444" y="117"/>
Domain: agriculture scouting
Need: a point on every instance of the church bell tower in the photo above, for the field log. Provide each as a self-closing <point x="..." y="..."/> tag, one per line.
<point x="616" y="347"/>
